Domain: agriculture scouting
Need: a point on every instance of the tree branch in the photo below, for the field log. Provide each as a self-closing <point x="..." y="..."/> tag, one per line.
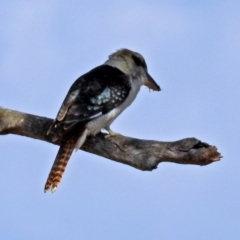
<point x="141" y="154"/>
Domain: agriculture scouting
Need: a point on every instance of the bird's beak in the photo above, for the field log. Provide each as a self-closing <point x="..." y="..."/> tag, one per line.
<point x="149" y="82"/>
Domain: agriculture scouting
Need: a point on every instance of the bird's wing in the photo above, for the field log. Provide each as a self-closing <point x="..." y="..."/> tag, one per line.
<point x="91" y="95"/>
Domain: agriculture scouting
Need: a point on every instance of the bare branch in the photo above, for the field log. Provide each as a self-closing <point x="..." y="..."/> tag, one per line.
<point x="141" y="154"/>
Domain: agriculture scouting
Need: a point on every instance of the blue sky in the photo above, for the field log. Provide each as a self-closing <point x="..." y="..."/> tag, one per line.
<point x="192" y="50"/>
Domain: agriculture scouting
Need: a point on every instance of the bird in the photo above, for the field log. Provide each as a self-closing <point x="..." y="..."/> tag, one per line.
<point x="93" y="102"/>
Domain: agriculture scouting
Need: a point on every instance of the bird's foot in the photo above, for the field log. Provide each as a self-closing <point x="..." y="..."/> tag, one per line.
<point x="111" y="133"/>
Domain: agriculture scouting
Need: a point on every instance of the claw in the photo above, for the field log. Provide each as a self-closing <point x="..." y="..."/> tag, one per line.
<point x="111" y="133"/>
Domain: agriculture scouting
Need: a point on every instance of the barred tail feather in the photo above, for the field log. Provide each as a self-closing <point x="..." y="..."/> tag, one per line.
<point x="61" y="160"/>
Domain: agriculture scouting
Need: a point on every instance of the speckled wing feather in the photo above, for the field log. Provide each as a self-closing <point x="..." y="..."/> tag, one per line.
<point x="91" y="95"/>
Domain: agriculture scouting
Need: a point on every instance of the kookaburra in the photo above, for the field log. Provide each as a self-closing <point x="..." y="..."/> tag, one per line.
<point x="93" y="102"/>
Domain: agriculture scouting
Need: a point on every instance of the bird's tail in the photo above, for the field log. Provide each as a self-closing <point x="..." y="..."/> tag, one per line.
<point x="61" y="160"/>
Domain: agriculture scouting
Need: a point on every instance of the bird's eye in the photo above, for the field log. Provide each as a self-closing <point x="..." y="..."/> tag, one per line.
<point x="139" y="62"/>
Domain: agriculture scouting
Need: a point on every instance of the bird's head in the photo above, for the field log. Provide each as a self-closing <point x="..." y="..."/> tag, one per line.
<point x="133" y="65"/>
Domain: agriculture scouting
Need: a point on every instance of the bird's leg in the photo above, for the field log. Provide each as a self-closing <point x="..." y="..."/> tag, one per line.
<point x="111" y="133"/>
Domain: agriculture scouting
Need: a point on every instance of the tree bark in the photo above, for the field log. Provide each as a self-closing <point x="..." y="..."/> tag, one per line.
<point x="141" y="154"/>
